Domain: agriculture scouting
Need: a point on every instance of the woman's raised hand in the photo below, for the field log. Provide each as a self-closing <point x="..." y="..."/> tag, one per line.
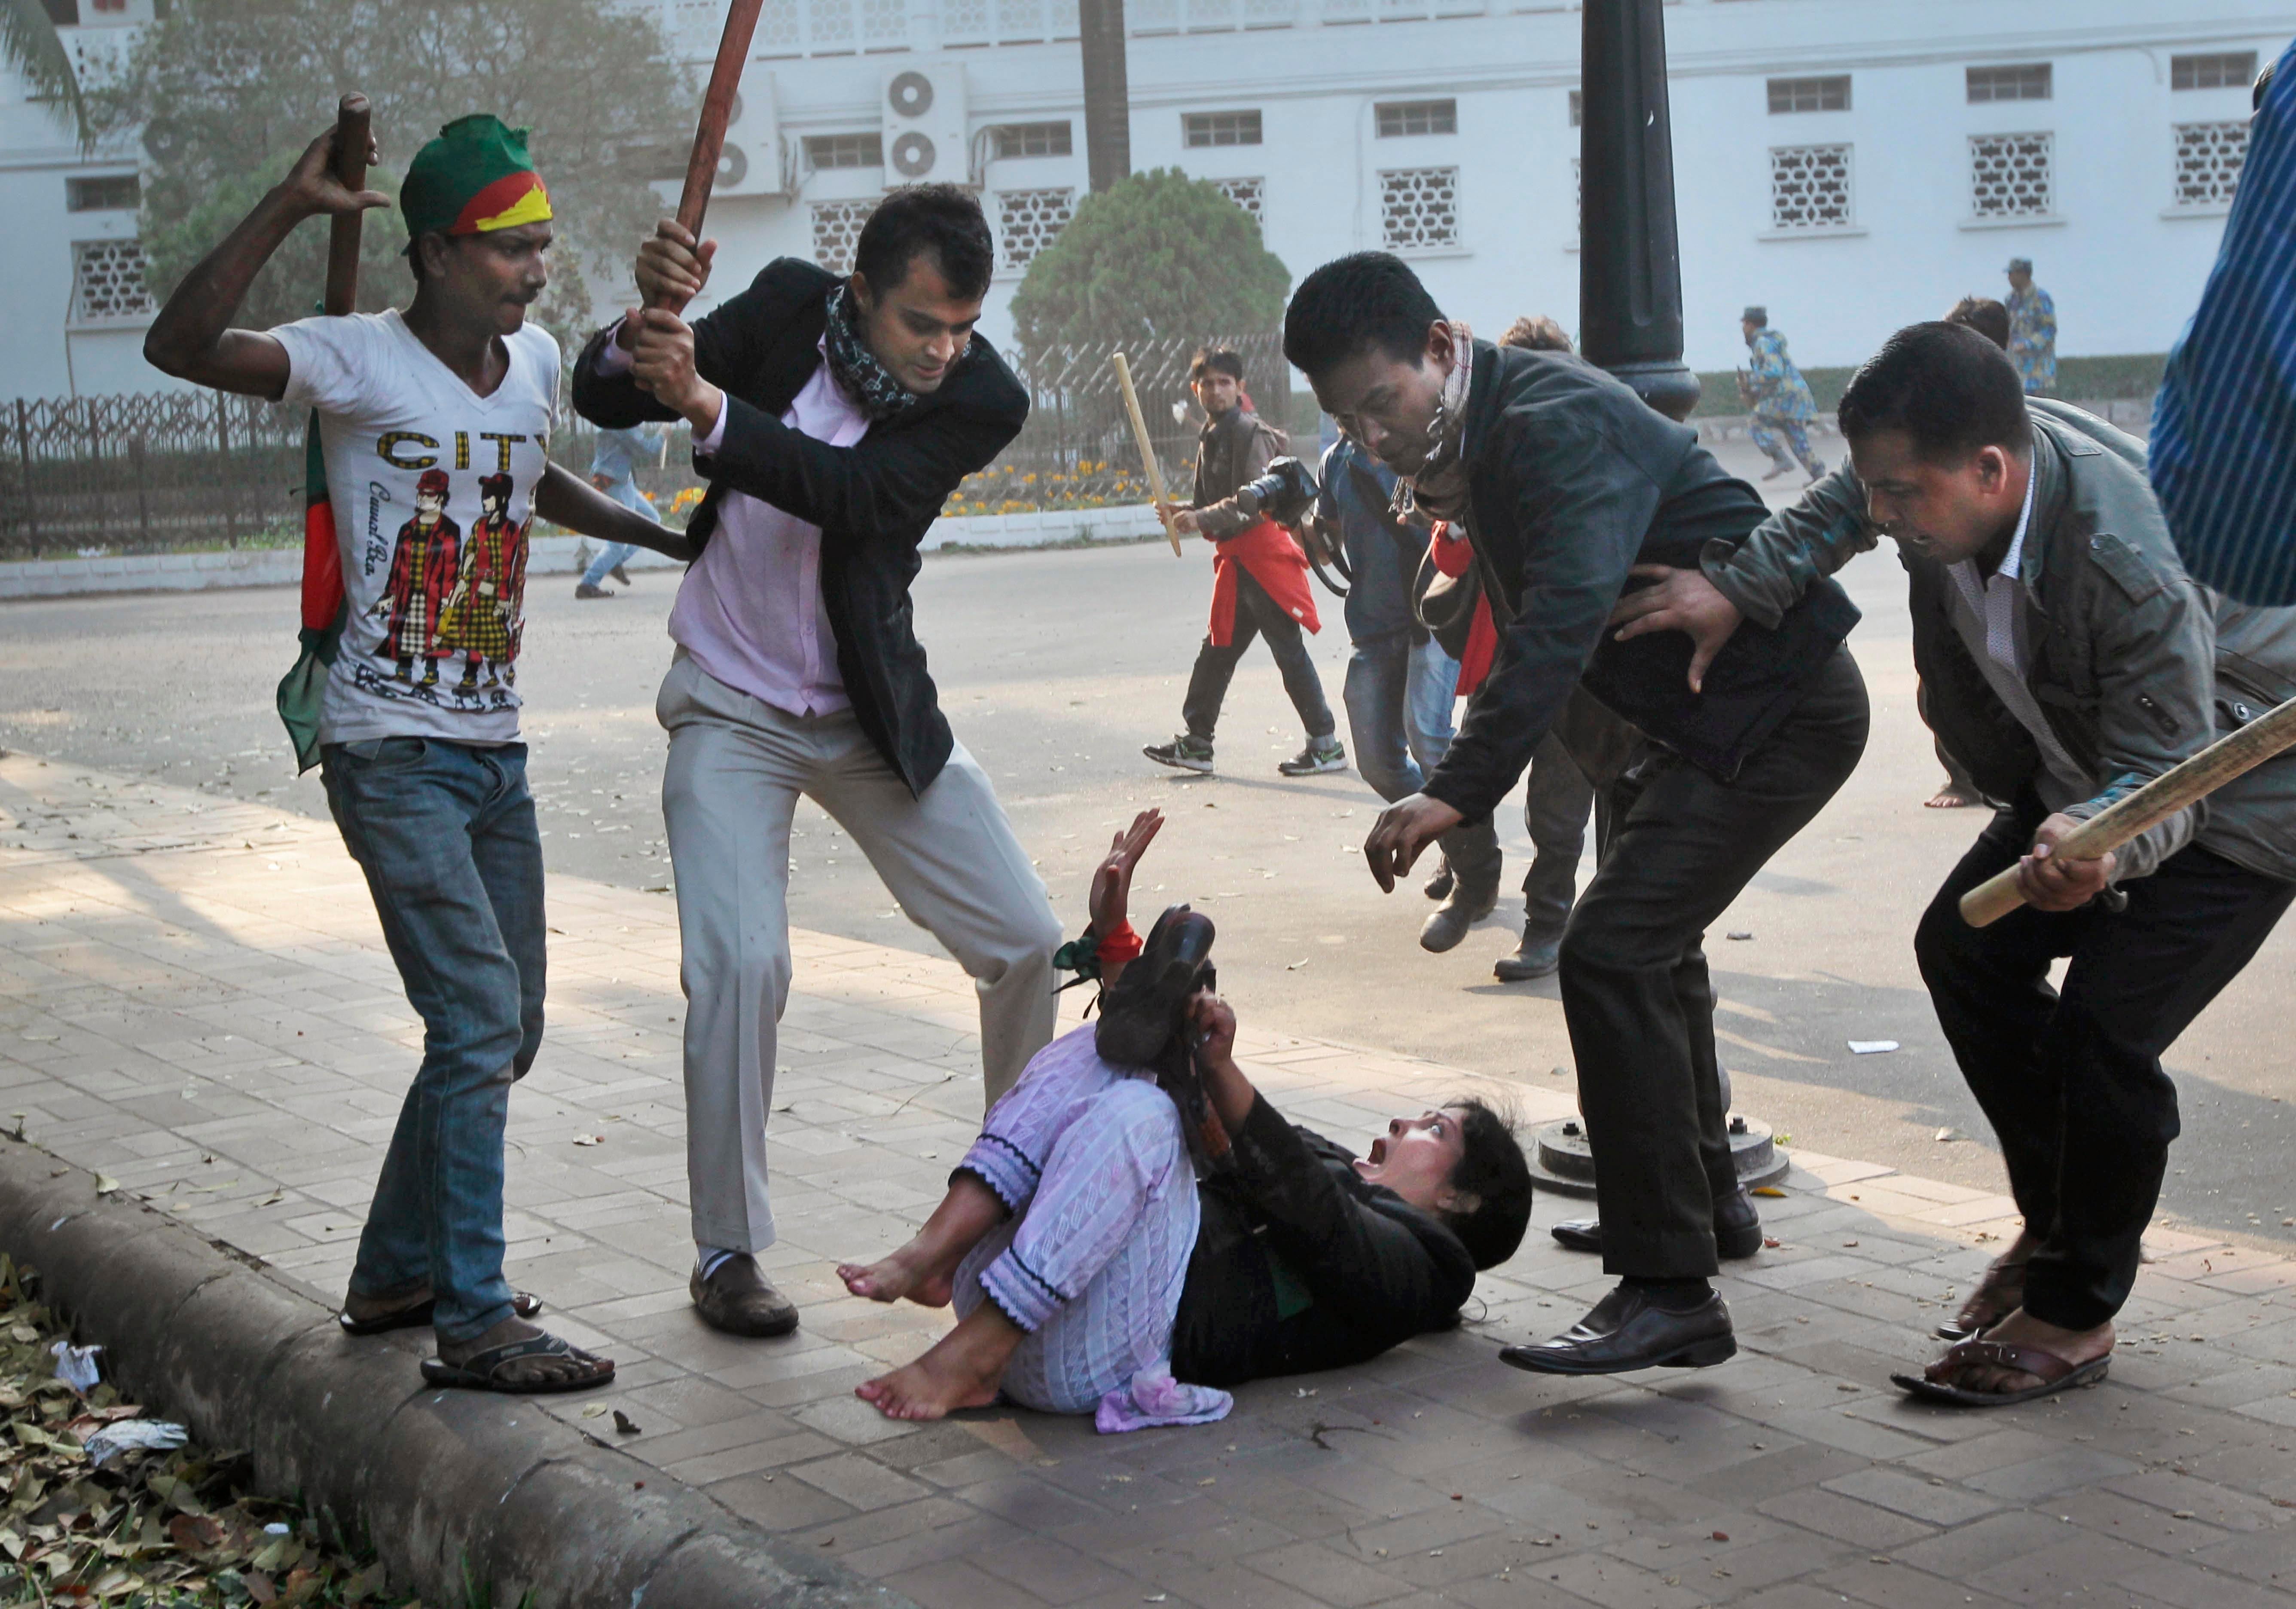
<point x="1110" y="896"/>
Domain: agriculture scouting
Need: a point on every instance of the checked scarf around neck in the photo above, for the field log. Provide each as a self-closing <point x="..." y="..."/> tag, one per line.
<point x="855" y="368"/>
<point x="1439" y="491"/>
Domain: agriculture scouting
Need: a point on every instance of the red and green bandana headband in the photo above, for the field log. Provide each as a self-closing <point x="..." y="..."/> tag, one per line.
<point x="474" y="179"/>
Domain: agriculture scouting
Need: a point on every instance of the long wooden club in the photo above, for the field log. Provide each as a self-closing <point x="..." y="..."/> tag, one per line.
<point x="709" y="131"/>
<point x="353" y="120"/>
<point x="1147" y="449"/>
<point x="2125" y="819"/>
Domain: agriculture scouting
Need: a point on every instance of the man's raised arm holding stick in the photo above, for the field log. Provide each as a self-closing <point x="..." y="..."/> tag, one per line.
<point x="832" y="418"/>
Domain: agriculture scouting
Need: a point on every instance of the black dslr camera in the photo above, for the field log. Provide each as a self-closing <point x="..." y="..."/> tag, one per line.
<point x="1285" y="492"/>
<point x="1144" y="1023"/>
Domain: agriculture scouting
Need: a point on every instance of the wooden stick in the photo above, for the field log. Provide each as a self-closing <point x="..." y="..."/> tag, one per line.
<point x="716" y="111"/>
<point x="352" y="122"/>
<point x="2149" y="805"/>
<point x="1147" y="451"/>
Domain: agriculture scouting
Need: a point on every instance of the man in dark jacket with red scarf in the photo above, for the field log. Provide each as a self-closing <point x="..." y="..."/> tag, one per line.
<point x="1570" y="486"/>
<point x="1259" y="578"/>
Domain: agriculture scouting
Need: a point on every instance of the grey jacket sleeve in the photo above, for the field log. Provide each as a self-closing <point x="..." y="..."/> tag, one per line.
<point x="1767" y="574"/>
<point x="1221" y="520"/>
<point x="2155" y="661"/>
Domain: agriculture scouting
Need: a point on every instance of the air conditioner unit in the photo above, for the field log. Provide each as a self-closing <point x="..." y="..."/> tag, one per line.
<point x="752" y="162"/>
<point x="925" y="123"/>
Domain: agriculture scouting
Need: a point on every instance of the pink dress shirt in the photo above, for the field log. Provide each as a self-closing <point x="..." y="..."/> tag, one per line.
<point x="750" y="612"/>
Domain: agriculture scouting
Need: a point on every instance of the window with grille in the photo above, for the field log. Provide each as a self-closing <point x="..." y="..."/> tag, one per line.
<point x="1829" y="94"/>
<point x="1246" y="194"/>
<point x="884" y="24"/>
<point x="1419" y="209"/>
<point x="1198" y="129"/>
<point x="1398" y="118"/>
<point x="1029" y="220"/>
<point x="2032" y="81"/>
<point x="1810" y="188"/>
<point x="1029" y="139"/>
<point x="2224" y="69"/>
<point x="837" y="231"/>
<point x="111" y="193"/>
<point x="2208" y="158"/>
<point x="1578" y="107"/>
<point x="2009" y="176"/>
<point x="108" y="281"/>
<point x="826" y="150"/>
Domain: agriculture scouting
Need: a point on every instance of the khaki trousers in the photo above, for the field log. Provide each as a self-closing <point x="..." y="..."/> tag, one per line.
<point x="736" y="767"/>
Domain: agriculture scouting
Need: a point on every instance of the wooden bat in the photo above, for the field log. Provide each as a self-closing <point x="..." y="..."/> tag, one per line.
<point x="352" y="121"/>
<point x="716" y="111"/>
<point x="1147" y="449"/>
<point x="2165" y="794"/>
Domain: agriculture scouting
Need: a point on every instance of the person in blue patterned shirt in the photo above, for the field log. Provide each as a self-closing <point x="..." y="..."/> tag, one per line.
<point x="1780" y="398"/>
<point x="2224" y="427"/>
<point x="2032" y="330"/>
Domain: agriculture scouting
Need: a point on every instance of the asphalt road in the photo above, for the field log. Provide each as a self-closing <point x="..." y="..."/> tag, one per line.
<point x="1055" y="667"/>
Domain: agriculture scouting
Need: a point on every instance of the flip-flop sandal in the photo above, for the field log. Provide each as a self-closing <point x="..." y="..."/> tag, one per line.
<point x="2003" y="1283"/>
<point x="522" y="1303"/>
<point x="484" y="1371"/>
<point x="2054" y="1374"/>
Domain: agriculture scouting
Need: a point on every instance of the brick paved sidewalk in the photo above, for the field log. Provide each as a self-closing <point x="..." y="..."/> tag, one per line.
<point x="195" y="1000"/>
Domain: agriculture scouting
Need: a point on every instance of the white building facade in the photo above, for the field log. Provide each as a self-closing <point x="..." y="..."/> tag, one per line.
<point x="1849" y="164"/>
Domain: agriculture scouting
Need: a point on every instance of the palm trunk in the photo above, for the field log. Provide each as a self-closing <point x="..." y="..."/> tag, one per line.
<point x="1107" y="96"/>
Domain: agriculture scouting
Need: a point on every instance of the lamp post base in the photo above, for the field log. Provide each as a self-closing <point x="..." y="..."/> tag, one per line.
<point x="1669" y="388"/>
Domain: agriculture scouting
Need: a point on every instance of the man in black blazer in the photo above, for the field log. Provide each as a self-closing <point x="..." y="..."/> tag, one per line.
<point x="1570" y="486"/>
<point x="833" y="417"/>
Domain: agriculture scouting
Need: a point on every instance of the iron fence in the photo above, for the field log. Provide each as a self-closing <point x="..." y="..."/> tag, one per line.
<point x="156" y="471"/>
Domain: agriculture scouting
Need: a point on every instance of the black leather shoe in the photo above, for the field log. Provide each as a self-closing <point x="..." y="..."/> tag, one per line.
<point x="1624" y="1331"/>
<point x="1737" y="1229"/>
<point x="739" y="1301"/>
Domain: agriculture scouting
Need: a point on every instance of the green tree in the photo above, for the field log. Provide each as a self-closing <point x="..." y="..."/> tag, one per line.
<point x="30" y="46"/>
<point x="1157" y="255"/>
<point x="227" y="93"/>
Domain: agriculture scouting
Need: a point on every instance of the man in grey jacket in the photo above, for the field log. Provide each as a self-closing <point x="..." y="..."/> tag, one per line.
<point x="2069" y="658"/>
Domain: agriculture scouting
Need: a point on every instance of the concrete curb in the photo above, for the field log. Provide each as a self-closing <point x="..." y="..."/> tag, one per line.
<point x="435" y="1478"/>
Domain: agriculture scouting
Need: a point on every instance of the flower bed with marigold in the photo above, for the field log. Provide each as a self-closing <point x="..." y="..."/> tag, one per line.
<point x="1012" y="490"/>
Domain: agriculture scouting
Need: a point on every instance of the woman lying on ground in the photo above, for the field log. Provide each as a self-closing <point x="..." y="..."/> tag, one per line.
<point x="1087" y="1262"/>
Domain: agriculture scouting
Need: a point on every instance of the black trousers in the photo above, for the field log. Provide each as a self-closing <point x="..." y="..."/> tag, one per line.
<point x="1256" y="615"/>
<point x="1676" y="846"/>
<point x="2072" y="1082"/>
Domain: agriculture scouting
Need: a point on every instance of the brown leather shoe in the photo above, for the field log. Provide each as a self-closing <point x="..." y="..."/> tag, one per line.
<point x="742" y="1301"/>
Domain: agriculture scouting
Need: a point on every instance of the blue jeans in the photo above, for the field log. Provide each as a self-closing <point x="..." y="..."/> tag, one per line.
<point x="1399" y="696"/>
<point x="445" y="834"/>
<point x="625" y="492"/>
<point x="603" y="566"/>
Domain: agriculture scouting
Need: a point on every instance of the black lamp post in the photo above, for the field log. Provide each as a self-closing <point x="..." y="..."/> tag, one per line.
<point x="1629" y="261"/>
<point x="1107" y="97"/>
<point x="1631" y="322"/>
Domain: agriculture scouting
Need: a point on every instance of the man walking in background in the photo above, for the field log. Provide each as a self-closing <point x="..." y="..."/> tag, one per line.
<point x="1259" y="578"/>
<point x="2032" y="330"/>
<point x="1780" y="398"/>
<point x="614" y="470"/>
<point x="833" y="417"/>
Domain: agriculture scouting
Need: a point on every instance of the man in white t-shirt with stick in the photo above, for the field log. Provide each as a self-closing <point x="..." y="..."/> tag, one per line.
<point x="435" y="424"/>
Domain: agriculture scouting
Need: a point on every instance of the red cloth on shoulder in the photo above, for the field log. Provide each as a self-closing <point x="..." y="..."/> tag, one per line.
<point x="1452" y="553"/>
<point x="1275" y="560"/>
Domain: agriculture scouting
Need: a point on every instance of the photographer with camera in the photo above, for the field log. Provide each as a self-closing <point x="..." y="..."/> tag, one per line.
<point x="1260" y="575"/>
<point x="1093" y="1268"/>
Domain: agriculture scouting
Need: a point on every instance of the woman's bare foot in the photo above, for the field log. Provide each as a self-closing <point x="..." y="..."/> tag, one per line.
<point x="962" y="1369"/>
<point x="925" y="1270"/>
<point x="1948" y="799"/>
<point x="2021" y="1328"/>
<point x="917" y="1271"/>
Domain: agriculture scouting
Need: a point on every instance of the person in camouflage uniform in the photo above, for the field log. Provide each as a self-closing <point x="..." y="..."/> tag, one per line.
<point x="2032" y="330"/>
<point x="1780" y="398"/>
